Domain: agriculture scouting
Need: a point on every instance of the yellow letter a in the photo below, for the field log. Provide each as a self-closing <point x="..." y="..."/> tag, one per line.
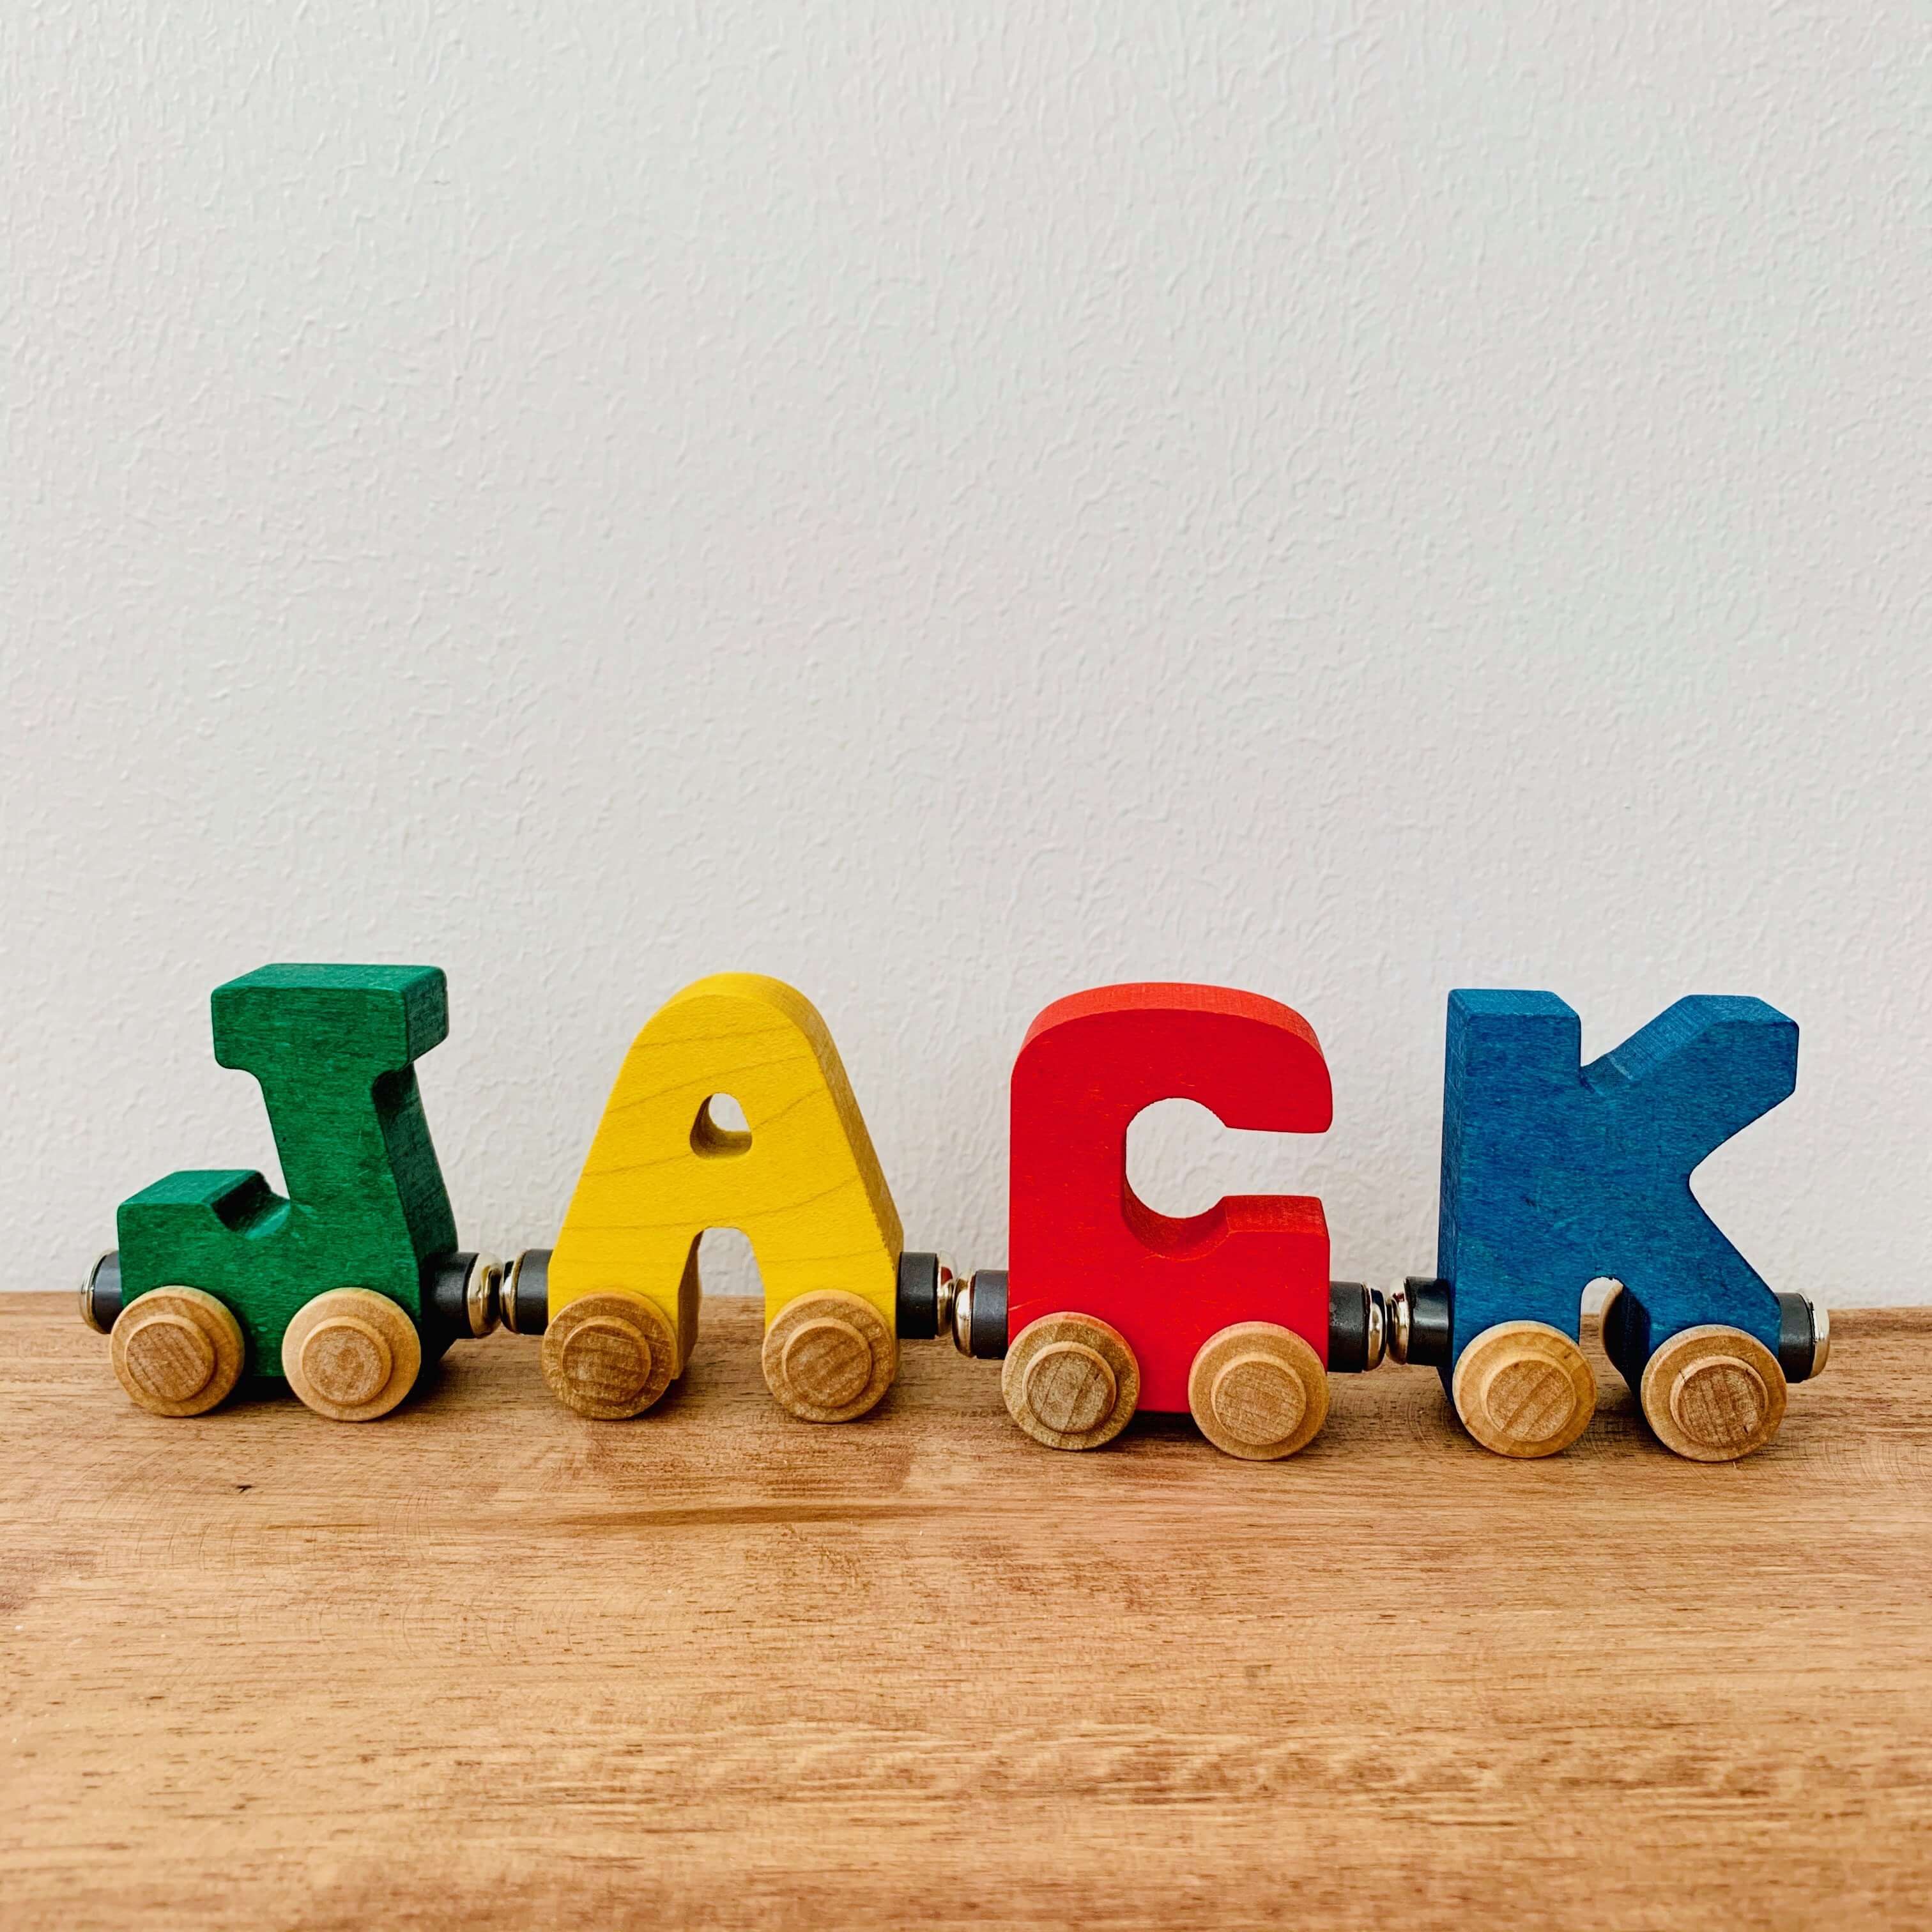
<point x="803" y="1184"/>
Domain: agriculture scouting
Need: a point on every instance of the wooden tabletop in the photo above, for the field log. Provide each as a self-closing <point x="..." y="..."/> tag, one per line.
<point x="487" y="1663"/>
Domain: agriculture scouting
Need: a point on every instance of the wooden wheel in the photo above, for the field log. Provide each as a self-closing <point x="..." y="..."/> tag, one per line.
<point x="177" y="1351"/>
<point x="828" y="1356"/>
<point x="1523" y="1388"/>
<point x="352" y="1354"/>
<point x="609" y="1356"/>
<point x="1713" y="1394"/>
<point x="1070" y="1381"/>
<point x="1257" y="1391"/>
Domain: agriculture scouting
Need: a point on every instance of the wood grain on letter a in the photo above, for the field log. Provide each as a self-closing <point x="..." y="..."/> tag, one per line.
<point x="801" y="1182"/>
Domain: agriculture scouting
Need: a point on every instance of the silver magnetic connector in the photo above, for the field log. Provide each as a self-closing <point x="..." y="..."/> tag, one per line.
<point x="946" y="1293"/>
<point x="959" y="1315"/>
<point x="1821" y="1335"/>
<point x="482" y="1294"/>
<point x="1378" y="1329"/>
<point x="100" y="1292"/>
<point x="1396" y="1315"/>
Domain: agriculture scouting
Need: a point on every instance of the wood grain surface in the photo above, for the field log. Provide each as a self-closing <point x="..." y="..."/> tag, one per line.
<point x="487" y="1662"/>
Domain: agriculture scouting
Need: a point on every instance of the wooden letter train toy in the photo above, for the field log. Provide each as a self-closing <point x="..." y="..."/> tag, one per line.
<point x="344" y="1289"/>
<point x="1107" y="1307"/>
<point x="1554" y="1174"/>
<point x="616" y="1300"/>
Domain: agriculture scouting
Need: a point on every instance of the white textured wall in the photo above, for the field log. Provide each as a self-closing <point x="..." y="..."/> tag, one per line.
<point x="953" y="504"/>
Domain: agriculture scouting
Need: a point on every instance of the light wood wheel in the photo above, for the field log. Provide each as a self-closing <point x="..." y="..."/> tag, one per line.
<point x="1257" y="1391"/>
<point x="177" y="1351"/>
<point x="352" y="1354"/>
<point x="609" y="1356"/>
<point x="1713" y="1394"/>
<point x="1071" y="1382"/>
<point x="1523" y="1388"/>
<point x="828" y="1356"/>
